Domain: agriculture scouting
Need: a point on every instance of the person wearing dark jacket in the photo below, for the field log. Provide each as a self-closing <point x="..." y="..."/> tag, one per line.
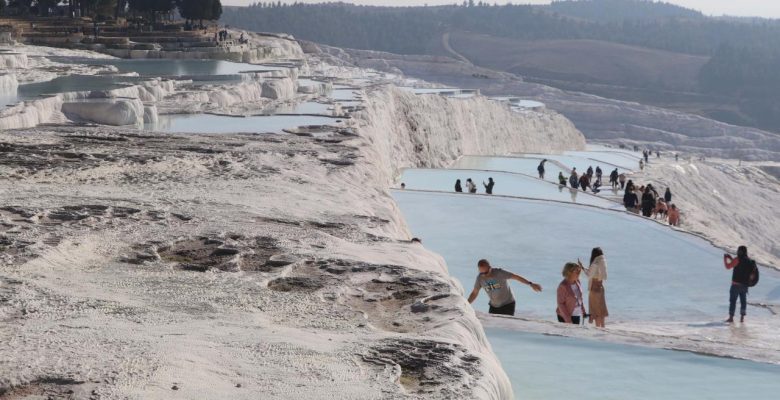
<point x="540" y="169"/>
<point x="668" y="196"/>
<point x="648" y="202"/>
<point x="561" y="179"/>
<point x="743" y="267"/>
<point x="599" y="173"/>
<point x="489" y="186"/>
<point x="631" y="201"/>
<point x="613" y="178"/>
<point x="590" y="171"/>
<point x="574" y="180"/>
<point x="458" y="187"/>
<point x="585" y="182"/>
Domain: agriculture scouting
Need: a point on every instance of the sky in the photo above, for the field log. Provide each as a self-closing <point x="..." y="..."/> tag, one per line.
<point x="742" y="8"/>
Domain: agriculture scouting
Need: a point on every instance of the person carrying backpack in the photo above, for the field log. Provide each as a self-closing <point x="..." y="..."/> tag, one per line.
<point x="745" y="275"/>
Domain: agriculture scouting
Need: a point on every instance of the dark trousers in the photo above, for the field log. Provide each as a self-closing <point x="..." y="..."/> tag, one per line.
<point x="575" y="319"/>
<point x="741" y="291"/>
<point x="506" y="309"/>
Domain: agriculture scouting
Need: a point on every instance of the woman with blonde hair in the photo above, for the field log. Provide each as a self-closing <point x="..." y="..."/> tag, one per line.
<point x="597" y="272"/>
<point x="570" y="304"/>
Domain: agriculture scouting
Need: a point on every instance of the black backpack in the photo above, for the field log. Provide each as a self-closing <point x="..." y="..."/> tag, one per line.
<point x="753" y="281"/>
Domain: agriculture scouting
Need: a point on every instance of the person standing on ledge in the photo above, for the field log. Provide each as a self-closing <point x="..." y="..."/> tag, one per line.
<point x="496" y="285"/>
<point x="540" y="169"/>
<point x="458" y="187"/>
<point x="741" y="279"/>
<point x="489" y="186"/>
<point x="597" y="273"/>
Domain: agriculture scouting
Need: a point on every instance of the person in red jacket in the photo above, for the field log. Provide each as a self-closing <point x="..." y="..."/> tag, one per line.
<point x="571" y="307"/>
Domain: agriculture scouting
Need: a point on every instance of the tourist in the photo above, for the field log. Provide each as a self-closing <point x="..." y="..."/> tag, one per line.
<point x="494" y="281"/>
<point x="489" y="186"/>
<point x="647" y="155"/>
<point x="657" y="154"/>
<point x="660" y="209"/>
<point x="458" y="187"/>
<point x="743" y="268"/>
<point x="540" y="169"/>
<point x="613" y="178"/>
<point x="590" y="171"/>
<point x="403" y="186"/>
<point x="641" y="165"/>
<point x="622" y="180"/>
<point x="597" y="274"/>
<point x="676" y="157"/>
<point x="596" y="185"/>
<point x="674" y="215"/>
<point x="570" y="304"/>
<point x="668" y="195"/>
<point x="561" y="179"/>
<point x="630" y="199"/>
<point x="599" y="173"/>
<point x="585" y="182"/>
<point x="472" y="188"/>
<point x="574" y="180"/>
<point x="648" y="202"/>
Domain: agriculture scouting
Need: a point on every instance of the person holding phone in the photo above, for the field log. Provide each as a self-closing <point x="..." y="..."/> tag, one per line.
<point x="495" y="283"/>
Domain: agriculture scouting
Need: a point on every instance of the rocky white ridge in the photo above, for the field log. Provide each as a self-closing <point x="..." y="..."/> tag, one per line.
<point x="99" y="255"/>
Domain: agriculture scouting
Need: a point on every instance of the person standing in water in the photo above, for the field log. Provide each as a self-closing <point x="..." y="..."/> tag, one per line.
<point x="668" y="196"/>
<point x="458" y="187"/>
<point x="496" y="285"/>
<point x="574" y="180"/>
<point x="622" y="180"/>
<point x="599" y="173"/>
<point x="648" y="202"/>
<point x="540" y="169"/>
<point x="743" y="267"/>
<point x="489" y="186"/>
<point x="570" y="305"/>
<point x="597" y="273"/>
<point x="613" y="178"/>
<point x="472" y="188"/>
<point x="561" y="179"/>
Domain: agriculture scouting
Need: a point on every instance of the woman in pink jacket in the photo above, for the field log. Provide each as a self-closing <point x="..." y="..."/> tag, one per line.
<point x="570" y="304"/>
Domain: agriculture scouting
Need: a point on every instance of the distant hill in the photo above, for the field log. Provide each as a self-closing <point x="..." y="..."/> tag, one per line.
<point x="628" y="49"/>
<point x="620" y="10"/>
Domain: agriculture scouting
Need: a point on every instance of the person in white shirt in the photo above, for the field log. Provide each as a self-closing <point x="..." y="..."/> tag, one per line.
<point x="597" y="274"/>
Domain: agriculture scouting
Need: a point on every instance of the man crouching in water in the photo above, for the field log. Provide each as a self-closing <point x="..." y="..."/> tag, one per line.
<point x="494" y="281"/>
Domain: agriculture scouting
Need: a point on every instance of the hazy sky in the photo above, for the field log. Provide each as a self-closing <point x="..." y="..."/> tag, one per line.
<point x="759" y="8"/>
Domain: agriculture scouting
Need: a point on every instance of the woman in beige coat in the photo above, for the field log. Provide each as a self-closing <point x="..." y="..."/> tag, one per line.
<point x="597" y="274"/>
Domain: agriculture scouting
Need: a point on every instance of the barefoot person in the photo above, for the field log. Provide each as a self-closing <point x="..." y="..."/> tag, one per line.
<point x="496" y="285"/>
<point x="743" y="267"/>
<point x="570" y="305"/>
<point x="540" y="169"/>
<point x="597" y="272"/>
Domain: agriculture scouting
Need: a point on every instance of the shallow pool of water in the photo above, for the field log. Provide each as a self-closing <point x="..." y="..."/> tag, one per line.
<point x="166" y="67"/>
<point x="207" y="123"/>
<point x="655" y="273"/>
<point x="505" y="184"/>
<point x="70" y="83"/>
<point x="511" y="164"/>
<point x="547" y="367"/>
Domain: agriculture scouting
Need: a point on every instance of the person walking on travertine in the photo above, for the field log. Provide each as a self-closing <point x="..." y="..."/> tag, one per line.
<point x="574" y="180"/>
<point x="741" y="278"/>
<point x="613" y="178"/>
<point x="495" y="283"/>
<point x="597" y="272"/>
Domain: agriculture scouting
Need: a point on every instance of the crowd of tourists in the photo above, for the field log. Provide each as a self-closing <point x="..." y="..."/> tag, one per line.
<point x="570" y="297"/>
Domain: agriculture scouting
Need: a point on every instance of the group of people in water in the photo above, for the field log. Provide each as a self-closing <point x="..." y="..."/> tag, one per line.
<point x="570" y="298"/>
<point x="471" y="187"/>
<point x="645" y="199"/>
<point x="591" y="179"/>
<point x="570" y="304"/>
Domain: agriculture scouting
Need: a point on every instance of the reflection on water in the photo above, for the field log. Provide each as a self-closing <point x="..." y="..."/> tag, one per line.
<point x="547" y="367"/>
<point x="166" y="67"/>
<point x="207" y="123"/>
